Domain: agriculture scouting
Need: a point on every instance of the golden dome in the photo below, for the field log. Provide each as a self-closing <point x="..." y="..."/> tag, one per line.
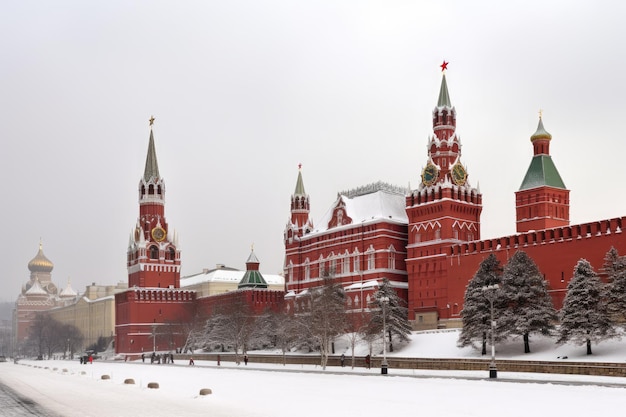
<point x="40" y="263"/>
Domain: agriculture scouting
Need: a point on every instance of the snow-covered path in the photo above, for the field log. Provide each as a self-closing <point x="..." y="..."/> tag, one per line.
<point x="255" y="392"/>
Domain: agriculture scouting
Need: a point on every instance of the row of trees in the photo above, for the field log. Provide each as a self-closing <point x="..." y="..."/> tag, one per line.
<point x="235" y="327"/>
<point x="591" y="312"/>
<point x="48" y="336"/>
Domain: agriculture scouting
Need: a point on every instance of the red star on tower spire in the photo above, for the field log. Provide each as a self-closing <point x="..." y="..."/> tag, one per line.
<point x="444" y="66"/>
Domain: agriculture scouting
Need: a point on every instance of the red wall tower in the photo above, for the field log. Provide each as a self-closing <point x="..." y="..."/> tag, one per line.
<point x="153" y="256"/>
<point x="542" y="201"/>
<point x="444" y="210"/>
<point x="153" y="312"/>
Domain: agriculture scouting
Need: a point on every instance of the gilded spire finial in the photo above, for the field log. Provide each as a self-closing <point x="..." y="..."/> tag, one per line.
<point x="151" y="121"/>
<point x="540" y="114"/>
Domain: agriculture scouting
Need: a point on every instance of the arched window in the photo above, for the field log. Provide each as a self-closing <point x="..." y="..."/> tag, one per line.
<point x="171" y="254"/>
<point x="392" y="258"/>
<point x="307" y="269"/>
<point x="371" y="258"/>
<point x="154" y="252"/>
<point x="151" y="189"/>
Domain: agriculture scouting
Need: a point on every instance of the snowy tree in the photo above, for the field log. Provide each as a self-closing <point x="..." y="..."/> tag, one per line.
<point x="476" y="313"/>
<point x="326" y="318"/>
<point x="395" y="314"/>
<point x="284" y="330"/>
<point x="529" y="306"/>
<point x="231" y="325"/>
<point x="615" y="289"/>
<point x="612" y="263"/>
<point x="584" y="316"/>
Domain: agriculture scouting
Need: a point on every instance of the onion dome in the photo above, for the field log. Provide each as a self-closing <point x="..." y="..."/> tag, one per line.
<point x="40" y="263"/>
<point x="541" y="133"/>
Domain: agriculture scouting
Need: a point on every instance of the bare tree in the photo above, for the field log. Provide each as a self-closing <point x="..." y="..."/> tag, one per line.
<point x="327" y="316"/>
<point x="48" y="335"/>
<point x="356" y="329"/>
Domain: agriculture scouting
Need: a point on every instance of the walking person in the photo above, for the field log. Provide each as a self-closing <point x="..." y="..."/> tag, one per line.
<point x="367" y="361"/>
<point x="343" y="360"/>
<point x="191" y="362"/>
<point x="245" y="359"/>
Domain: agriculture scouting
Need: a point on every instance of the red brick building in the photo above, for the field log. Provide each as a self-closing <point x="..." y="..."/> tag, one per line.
<point x="432" y="247"/>
<point x="360" y="241"/>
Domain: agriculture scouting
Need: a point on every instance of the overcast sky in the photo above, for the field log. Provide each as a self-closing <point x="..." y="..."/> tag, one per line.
<point x="244" y="91"/>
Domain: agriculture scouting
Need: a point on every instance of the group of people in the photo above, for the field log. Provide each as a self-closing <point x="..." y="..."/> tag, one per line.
<point x="86" y="359"/>
<point x="159" y="358"/>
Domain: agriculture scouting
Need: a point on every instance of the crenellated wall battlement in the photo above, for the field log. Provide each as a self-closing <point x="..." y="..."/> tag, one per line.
<point x="541" y="237"/>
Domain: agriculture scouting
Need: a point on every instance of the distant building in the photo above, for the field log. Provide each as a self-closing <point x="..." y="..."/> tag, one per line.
<point x="93" y="313"/>
<point x="37" y="295"/>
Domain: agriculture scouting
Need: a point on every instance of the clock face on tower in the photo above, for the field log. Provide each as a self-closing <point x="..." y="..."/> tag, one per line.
<point x="158" y="234"/>
<point x="459" y="175"/>
<point x="430" y="174"/>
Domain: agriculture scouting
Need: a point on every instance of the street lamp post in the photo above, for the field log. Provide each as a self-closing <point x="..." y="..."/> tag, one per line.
<point x="490" y="292"/>
<point x="384" y="366"/>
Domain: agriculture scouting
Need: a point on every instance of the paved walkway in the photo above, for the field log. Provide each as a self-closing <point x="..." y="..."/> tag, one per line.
<point x="14" y="405"/>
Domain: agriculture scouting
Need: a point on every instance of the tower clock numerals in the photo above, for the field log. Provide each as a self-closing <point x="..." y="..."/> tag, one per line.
<point x="430" y="174"/>
<point x="459" y="175"/>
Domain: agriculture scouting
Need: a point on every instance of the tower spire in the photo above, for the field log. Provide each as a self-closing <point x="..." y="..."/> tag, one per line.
<point x="444" y="96"/>
<point x="152" y="166"/>
<point x="299" y="183"/>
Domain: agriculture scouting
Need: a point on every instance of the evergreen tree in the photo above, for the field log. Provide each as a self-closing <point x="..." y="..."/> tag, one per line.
<point x="395" y="313"/>
<point x="615" y="290"/>
<point x="476" y="313"/>
<point x="529" y="306"/>
<point x="611" y="263"/>
<point x="584" y="316"/>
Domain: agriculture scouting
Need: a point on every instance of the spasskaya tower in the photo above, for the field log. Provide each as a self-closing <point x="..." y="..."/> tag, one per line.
<point x="153" y="254"/>
<point x="444" y="210"/>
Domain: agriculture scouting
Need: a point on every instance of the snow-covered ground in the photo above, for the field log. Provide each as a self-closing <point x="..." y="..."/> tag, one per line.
<point x="72" y="389"/>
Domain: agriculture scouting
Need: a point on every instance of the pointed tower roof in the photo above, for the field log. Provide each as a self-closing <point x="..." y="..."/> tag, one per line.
<point x="444" y="96"/>
<point x="68" y="291"/>
<point x="252" y="278"/>
<point x="36" y="289"/>
<point x="542" y="171"/>
<point x="152" y="166"/>
<point x="299" y="184"/>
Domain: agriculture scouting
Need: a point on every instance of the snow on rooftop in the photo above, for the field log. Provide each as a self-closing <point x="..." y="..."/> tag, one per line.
<point x="375" y="202"/>
<point x="226" y="275"/>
